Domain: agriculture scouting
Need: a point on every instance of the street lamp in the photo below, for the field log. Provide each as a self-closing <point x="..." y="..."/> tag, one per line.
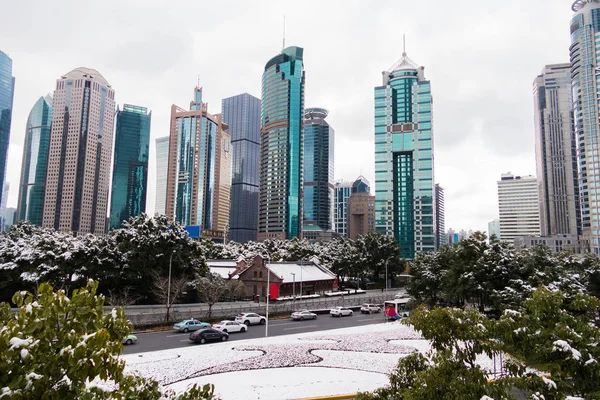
<point x="294" y="291"/>
<point x="169" y="284"/>
<point x="386" y="274"/>
<point x="268" y="294"/>
<point x="301" y="282"/>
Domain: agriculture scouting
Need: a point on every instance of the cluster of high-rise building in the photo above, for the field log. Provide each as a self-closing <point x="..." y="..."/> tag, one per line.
<point x="259" y="169"/>
<point x="561" y="206"/>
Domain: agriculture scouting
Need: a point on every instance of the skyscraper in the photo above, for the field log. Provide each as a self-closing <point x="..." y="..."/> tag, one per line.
<point x="130" y="169"/>
<point x="361" y="214"/>
<point x="440" y="217"/>
<point x="585" y="82"/>
<point x="35" y="162"/>
<point x="242" y="114"/>
<point x="494" y="229"/>
<point x="199" y="172"/>
<point x="555" y="151"/>
<point x="162" y="164"/>
<point x="7" y="89"/>
<point x="318" y="193"/>
<point x="281" y="159"/>
<point x="519" y="206"/>
<point x="81" y="142"/>
<point x="342" y="190"/>
<point x="404" y="185"/>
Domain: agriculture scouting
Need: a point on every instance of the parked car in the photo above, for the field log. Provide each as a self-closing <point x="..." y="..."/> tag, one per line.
<point x="302" y="315"/>
<point x="130" y="339"/>
<point x="208" y="335"/>
<point x="341" y="312"/>
<point x="251" y="319"/>
<point x="230" y="326"/>
<point x="370" y="308"/>
<point x="189" y="325"/>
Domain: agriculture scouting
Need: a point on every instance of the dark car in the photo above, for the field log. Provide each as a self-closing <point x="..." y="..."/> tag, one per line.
<point x="207" y="335"/>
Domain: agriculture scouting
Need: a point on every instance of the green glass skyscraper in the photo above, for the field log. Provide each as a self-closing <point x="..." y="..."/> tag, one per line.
<point x="404" y="185"/>
<point x="281" y="134"/>
<point x="130" y="170"/>
<point x="7" y="90"/>
<point x="35" y="162"/>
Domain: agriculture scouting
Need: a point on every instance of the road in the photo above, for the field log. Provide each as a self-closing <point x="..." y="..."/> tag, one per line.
<point x="171" y="339"/>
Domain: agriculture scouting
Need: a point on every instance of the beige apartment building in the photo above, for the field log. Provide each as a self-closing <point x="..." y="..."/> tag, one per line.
<point x="78" y="181"/>
<point x="361" y="214"/>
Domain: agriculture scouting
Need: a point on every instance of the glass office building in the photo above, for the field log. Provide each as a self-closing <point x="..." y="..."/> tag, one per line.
<point x="130" y="168"/>
<point x="162" y="161"/>
<point x="404" y="185"/>
<point x="585" y="83"/>
<point x="7" y="89"/>
<point x="343" y="190"/>
<point x="318" y="195"/>
<point x="199" y="169"/>
<point x="281" y="158"/>
<point x="242" y="114"/>
<point x="35" y="162"/>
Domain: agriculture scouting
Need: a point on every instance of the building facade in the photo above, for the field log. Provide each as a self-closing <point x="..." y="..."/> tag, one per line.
<point x="585" y="83"/>
<point x="361" y="214"/>
<point x="555" y="150"/>
<point x="281" y="155"/>
<point x="242" y="114"/>
<point x="162" y="165"/>
<point x="318" y="191"/>
<point x="199" y="168"/>
<point x="556" y="243"/>
<point x="519" y="206"/>
<point x="130" y="168"/>
<point x="342" y="190"/>
<point x="7" y="90"/>
<point x="494" y="229"/>
<point x="81" y="140"/>
<point x="35" y="162"/>
<point x="440" y="217"/>
<point x="404" y="176"/>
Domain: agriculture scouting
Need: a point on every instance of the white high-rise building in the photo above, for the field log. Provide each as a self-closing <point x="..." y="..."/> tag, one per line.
<point x="519" y="207"/>
<point x="162" y="164"/>
<point x="555" y="153"/>
<point x="81" y="145"/>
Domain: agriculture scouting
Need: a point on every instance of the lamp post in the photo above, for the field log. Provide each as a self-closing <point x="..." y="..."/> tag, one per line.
<point x="169" y="284"/>
<point x="268" y="294"/>
<point x="294" y="291"/>
<point x="300" y="282"/>
<point x="386" y="274"/>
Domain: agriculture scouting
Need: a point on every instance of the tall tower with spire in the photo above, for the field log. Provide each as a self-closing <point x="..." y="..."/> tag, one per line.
<point x="404" y="180"/>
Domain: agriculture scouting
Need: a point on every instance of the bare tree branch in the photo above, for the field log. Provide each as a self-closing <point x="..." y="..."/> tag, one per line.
<point x="211" y="289"/>
<point x="121" y="298"/>
<point x="160" y="285"/>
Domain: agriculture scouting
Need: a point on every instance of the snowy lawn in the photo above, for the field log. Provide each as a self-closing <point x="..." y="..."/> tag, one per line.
<point x="303" y="365"/>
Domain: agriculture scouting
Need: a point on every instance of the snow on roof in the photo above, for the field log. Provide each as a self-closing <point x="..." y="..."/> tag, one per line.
<point x="224" y="272"/>
<point x="303" y="272"/>
<point x="221" y="263"/>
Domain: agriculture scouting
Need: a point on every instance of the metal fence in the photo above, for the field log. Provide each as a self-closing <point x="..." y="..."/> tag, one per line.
<point x="140" y="315"/>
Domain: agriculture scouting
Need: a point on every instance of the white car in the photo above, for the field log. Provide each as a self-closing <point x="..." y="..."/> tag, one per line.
<point x="250" y="319"/>
<point x="302" y="315"/>
<point x="230" y="326"/>
<point x="370" y="308"/>
<point x="402" y="295"/>
<point x="341" y="312"/>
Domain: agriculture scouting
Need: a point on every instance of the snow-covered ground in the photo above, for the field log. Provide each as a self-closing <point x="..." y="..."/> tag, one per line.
<point x="288" y="367"/>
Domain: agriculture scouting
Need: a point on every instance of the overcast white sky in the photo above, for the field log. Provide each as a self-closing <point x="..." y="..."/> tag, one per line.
<point x="481" y="57"/>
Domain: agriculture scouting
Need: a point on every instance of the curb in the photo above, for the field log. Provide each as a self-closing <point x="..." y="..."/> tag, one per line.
<point x="334" y="397"/>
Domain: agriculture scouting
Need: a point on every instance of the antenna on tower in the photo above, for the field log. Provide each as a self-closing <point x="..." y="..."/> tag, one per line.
<point x="283" y="33"/>
<point x="198" y="85"/>
<point x="404" y="45"/>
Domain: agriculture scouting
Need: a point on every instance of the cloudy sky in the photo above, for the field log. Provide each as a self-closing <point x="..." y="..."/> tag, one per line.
<point x="481" y="57"/>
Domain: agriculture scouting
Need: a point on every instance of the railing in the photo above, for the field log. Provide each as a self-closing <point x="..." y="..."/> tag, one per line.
<point x="145" y="315"/>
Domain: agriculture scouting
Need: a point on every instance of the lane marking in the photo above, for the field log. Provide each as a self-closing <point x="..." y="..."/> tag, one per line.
<point x="368" y="319"/>
<point x="301" y="327"/>
<point x="286" y="323"/>
<point x="178" y="335"/>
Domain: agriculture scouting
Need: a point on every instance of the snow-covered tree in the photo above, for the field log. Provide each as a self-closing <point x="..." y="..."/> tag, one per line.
<point x="376" y="251"/>
<point x="56" y="347"/>
<point x="211" y="289"/>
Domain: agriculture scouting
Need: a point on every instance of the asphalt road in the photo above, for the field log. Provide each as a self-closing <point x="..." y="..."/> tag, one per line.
<point x="171" y="339"/>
